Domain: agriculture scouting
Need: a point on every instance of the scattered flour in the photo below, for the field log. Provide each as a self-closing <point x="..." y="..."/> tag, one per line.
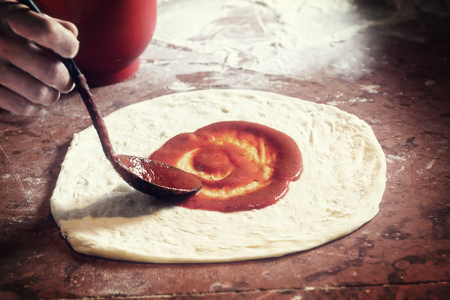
<point x="430" y="164"/>
<point x="269" y="36"/>
<point x="359" y="100"/>
<point x="370" y="88"/>
<point x="390" y="158"/>
<point x="180" y="86"/>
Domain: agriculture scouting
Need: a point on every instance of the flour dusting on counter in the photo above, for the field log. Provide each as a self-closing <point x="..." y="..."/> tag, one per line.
<point x="269" y="36"/>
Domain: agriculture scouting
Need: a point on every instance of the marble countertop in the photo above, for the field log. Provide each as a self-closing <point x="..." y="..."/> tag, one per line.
<point x="390" y="69"/>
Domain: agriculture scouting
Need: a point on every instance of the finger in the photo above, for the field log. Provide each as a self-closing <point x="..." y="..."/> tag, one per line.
<point x="17" y="104"/>
<point x="36" y="62"/>
<point x="43" y="30"/>
<point x="69" y="26"/>
<point x="26" y="85"/>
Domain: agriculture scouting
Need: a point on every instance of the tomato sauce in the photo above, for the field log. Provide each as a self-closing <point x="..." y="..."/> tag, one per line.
<point x="242" y="165"/>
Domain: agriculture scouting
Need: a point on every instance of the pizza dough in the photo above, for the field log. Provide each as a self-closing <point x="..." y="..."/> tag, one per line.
<point x="341" y="187"/>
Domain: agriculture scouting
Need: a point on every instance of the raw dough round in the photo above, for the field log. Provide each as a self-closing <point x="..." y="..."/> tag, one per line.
<point x="341" y="187"/>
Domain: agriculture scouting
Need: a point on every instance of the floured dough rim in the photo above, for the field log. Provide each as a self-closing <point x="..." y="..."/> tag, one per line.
<point x="340" y="189"/>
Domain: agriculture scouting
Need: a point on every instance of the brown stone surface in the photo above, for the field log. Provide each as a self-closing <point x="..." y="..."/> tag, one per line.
<point x="402" y="253"/>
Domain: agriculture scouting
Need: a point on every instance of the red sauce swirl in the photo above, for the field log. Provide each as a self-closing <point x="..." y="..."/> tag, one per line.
<point x="242" y="165"/>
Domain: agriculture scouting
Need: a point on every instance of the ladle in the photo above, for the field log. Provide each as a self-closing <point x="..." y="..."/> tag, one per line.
<point x="148" y="176"/>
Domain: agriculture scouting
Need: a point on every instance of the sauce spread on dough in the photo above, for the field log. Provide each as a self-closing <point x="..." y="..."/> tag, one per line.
<point x="242" y="165"/>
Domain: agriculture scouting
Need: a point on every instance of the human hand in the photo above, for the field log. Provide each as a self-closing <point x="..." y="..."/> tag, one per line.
<point x="31" y="73"/>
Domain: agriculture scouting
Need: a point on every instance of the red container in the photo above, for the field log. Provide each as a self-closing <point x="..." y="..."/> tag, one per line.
<point x="112" y="34"/>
